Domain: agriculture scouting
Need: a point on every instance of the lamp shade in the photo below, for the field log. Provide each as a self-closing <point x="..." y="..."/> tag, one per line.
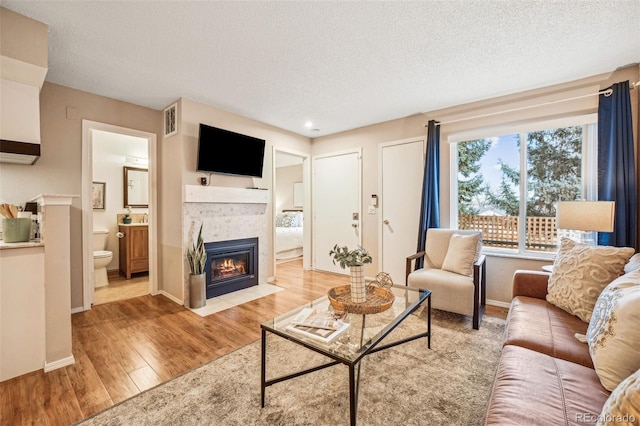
<point x="595" y="216"/>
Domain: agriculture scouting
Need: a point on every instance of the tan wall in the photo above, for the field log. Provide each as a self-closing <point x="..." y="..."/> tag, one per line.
<point x="170" y="254"/>
<point x="23" y="38"/>
<point x="59" y="170"/>
<point x="194" y="113"/>
<point x="369" y="138"/>
<point x="285" y="178"/>
<point x="500" y="269"/>
<point x="521" y="114"/>
<point x="178" y="168"/>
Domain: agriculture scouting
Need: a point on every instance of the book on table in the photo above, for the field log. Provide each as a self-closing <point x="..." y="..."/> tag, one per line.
<point x="322" y="326"/>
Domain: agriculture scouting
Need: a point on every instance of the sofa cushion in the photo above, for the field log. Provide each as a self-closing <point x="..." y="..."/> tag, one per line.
<point x="462" y="253"/>
<point x="581" y="272"/>
<point x="614" y="331"/>
<point x="450" y="292"/>
<point x="532" y="388"/>
<point x="538" y="325"/>
<point x="623" y="406"/>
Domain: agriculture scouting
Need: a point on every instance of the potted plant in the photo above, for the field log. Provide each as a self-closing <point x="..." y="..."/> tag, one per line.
<point x="354" y="259"/>
<point x="127" y="215"/>
<point x="197" y="258"/>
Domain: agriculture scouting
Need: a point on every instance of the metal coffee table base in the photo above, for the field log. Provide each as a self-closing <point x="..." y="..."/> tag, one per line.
<point x="354" y="376"/>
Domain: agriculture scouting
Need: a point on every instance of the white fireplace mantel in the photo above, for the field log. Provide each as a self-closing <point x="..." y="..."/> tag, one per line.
<point x="218" y="194"/>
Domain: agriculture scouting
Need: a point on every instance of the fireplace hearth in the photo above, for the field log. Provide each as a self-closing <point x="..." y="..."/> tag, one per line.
<point x="232" y="265"/>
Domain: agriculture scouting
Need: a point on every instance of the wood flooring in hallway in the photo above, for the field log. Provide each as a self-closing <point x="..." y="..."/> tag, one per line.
<point x="120" y="288"/>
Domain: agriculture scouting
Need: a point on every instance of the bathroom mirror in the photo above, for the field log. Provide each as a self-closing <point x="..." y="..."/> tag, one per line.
<point x="136" y="187"/>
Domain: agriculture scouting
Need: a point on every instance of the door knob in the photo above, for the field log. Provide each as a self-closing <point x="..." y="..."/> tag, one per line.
<point x="355" y="225"/>
<point x="386" y="222"/>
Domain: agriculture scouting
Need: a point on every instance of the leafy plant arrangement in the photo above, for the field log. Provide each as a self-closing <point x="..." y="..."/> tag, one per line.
<point x="346" y="257"/>
<point x="197" y="256"/>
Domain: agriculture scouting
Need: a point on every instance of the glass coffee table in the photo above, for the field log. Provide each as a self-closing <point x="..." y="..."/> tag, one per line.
<point x="361" y="339"/>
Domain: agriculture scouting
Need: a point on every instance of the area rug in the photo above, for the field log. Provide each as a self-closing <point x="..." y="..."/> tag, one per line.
<point x="404" y="385"/>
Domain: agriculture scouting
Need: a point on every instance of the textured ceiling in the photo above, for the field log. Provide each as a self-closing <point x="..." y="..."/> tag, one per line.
<point x="341" y="65"/>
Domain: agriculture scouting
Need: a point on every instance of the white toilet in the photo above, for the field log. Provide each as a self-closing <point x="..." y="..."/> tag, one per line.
<point x="101" y="258"/>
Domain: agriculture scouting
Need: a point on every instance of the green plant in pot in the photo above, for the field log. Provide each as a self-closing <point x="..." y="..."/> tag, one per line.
<point x="197" y="258"/>
<point x="354" y="259"/>
<point x="127" y="216"/>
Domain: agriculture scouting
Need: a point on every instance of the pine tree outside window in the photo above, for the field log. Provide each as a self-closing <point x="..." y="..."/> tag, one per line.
<point x="508" y="185"/>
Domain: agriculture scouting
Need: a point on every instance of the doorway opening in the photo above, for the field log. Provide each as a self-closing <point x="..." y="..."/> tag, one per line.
<point x="119" y="225"/>
<point x="291" y="236"/>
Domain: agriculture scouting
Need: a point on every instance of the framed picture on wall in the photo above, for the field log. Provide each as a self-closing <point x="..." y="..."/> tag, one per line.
<point x="98" y="195"/>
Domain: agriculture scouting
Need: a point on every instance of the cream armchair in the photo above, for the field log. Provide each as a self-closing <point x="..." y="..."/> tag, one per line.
<point x="454" y="271"/>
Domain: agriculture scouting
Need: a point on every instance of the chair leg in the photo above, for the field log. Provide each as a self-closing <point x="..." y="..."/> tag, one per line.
<point x="479" y="295"/>
<point x="476" y="303"/>
<point x="483" y="284"/>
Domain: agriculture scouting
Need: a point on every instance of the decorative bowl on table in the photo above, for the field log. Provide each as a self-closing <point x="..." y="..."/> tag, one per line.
<point x="378" y="300"/>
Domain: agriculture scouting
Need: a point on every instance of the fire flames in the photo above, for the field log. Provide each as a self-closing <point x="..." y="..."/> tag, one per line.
<point x="228" y="268"/>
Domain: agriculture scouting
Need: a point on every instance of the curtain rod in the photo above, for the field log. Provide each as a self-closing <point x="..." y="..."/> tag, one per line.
<point x="606" y="92"/>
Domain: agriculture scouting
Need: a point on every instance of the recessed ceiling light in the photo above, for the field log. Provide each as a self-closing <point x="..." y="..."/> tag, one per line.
<point x="308" y="124"/>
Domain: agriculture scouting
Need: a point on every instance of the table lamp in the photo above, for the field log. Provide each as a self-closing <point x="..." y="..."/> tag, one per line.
<point x="586" y="216"/>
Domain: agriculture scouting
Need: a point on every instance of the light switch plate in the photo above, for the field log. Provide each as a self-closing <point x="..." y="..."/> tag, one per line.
<point x="371" y="210"/>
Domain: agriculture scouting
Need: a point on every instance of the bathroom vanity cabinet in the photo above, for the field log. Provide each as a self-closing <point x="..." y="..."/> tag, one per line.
<point x="134" y="249"/>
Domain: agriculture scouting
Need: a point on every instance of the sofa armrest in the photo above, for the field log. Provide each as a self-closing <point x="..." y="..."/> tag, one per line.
<point x="410" y="260"/>
<point x="530" y="283"/>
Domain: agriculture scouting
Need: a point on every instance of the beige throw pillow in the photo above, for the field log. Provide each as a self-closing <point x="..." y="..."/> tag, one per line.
<point x="462" y="253"/>
<point x="614" y="331"/>
<point x="623" y="405"/>
<point x="581" y="272"/>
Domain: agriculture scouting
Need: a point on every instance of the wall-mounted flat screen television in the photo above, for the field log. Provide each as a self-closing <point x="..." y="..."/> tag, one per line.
<point x="229" y="153"/>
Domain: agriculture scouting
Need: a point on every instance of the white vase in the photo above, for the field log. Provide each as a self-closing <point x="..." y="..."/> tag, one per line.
<point x="358" y="287"/>
<point x="197" y="291"/>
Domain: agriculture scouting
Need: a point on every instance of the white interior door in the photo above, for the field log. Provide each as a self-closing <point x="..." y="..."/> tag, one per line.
<point x="336" y="206"/>
<point x="401" y="171"/>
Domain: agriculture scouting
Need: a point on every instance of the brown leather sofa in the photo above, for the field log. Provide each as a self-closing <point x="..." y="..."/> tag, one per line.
<point x="545" y="375"/>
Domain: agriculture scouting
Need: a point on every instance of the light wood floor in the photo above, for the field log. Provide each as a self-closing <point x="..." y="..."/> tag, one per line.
<point x="120" y="288"/>
<point x="124" y="347"/>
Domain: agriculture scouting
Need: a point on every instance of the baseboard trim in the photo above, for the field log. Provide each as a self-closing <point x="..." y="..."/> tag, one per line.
<point x="77" y="310"/>
<point x="271" y="279"/>
<point x="171" y="297"/>
<point x="50" y="366"/>
<point x="498" y="303"/>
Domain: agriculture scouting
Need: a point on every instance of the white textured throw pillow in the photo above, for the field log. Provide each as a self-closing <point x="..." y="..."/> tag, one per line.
<point x="633" y="264"/>
<point x="614" y="331"/>
<point x="623" y="405"/>
<point x="462" y="253"/>
<point x="581" y="272"/>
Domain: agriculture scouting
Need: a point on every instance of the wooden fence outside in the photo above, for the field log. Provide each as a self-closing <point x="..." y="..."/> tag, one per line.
<point x="503" y="231"/>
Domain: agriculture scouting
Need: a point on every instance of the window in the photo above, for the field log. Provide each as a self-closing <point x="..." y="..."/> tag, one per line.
<point x="508" y="185"/>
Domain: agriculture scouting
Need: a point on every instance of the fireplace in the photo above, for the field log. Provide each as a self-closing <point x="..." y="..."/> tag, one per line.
<point x="231" y="265"/>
